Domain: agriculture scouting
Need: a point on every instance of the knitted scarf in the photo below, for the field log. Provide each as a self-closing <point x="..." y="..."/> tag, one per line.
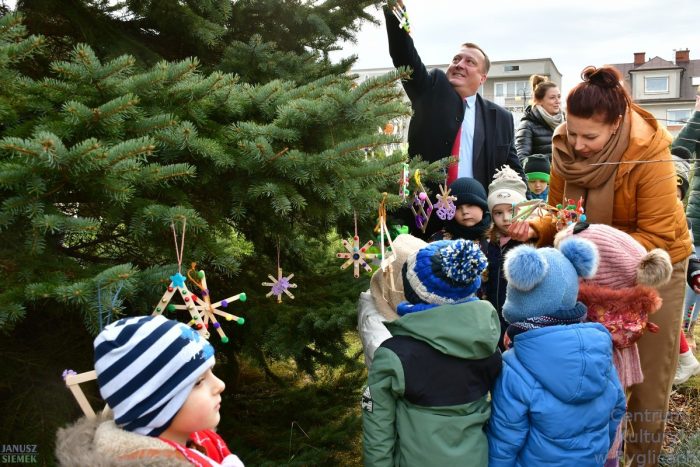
<point x="595" y="183"/>
<point x="552" y="121"/>
<point x="577" y="313"/>
<point x="475" y="232"/>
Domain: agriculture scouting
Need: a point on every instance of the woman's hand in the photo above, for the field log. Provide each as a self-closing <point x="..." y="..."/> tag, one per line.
<point x="521" y="231"/>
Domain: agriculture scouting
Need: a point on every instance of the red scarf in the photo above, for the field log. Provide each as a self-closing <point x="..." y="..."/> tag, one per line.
<point x="214" y="446"/>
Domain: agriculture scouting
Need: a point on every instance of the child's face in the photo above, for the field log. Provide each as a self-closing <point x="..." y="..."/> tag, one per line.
<point x="502" y="215"/>
<point x="537" y="186"/>
<point x="679" y="193"/>
<point x="201" y="408"/>
<point x="468" y="215"/>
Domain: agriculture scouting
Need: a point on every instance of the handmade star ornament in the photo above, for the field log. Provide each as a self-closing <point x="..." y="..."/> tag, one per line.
<point x="356" y="255"/>
<point x="202" y="311"/>
<point x="280" y="285"/>
<point x="445" y="207"/>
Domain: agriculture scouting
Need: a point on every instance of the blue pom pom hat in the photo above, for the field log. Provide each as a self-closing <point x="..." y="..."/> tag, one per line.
<point x="545" y="281"/>
<point x="444" y="272"/>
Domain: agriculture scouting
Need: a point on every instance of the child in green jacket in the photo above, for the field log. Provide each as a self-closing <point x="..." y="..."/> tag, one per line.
<point x="426" y="401"/>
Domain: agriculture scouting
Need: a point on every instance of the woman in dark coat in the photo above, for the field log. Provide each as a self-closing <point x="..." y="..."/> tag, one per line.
<point x="534" y="134"/>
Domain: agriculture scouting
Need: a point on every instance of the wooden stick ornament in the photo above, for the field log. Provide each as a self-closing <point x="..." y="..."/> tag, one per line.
<point x="445" y="207"/>
<point x="281" y="284"/>
<point x="356" y="255"/>
<point x="421" y="207"/>
<point x="404" y="182"/>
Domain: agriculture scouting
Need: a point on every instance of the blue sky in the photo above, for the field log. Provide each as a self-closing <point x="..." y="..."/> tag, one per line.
<point x="573" y="33"/>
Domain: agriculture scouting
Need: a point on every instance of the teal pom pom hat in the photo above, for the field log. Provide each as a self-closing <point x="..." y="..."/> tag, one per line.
<point x="444" y="272"/>
<point x="544" y="281"/>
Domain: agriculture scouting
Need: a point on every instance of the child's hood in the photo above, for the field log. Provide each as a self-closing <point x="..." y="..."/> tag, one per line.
<point x="98" y="442"/>
<point x="466" y="330"/>
<point x="572" y="362"/>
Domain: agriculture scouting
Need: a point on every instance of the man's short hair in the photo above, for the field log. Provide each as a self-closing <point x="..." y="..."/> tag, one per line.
<point x="487" y="62"/>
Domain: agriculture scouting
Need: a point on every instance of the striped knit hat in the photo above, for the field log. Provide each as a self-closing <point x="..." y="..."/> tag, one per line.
<point x="146" y="368"/>
<point x="444" y="272"/>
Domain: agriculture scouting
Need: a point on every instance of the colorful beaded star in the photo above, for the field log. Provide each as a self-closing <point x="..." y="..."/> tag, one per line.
<point x="357" y="255"/>
<point x="201" y="310"/>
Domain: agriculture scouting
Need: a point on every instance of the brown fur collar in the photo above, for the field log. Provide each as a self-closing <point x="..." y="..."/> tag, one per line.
<point x="98" y="442"/>
<point x="641" y="298"/>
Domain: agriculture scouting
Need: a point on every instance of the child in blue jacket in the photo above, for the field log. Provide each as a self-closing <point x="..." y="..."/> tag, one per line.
<point x="558" y="400"/>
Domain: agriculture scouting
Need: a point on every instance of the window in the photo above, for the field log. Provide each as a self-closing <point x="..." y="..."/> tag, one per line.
<point x="499" y="89"/>
<point x="677" y="116"/>
<point x="696" y="80"/>
<point x="511" y="67"/>
<point x="512" y="89"/>
<point x="655" y="84"/>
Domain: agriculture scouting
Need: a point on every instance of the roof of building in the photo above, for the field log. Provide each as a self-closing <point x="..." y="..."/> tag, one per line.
<point x="690" y="69"/>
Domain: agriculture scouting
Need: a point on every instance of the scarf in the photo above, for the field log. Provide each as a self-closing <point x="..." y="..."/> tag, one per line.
<point x="552" y="121"/>
<point x="595" y="184"/>
<point x="577" y="313"/>
<point x="475" y="232"/>
<point x="216" y="452"/>
<point x="405" y="308"/>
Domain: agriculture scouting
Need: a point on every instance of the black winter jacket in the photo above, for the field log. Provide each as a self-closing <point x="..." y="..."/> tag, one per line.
<point x="533" y="136"/>
<point x="438" y="111"/>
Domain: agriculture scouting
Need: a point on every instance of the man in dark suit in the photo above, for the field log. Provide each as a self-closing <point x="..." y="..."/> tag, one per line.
<point x="449" y="117"/>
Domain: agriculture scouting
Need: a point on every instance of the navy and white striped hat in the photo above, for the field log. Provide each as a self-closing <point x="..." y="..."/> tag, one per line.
<point x="146" y="368"/>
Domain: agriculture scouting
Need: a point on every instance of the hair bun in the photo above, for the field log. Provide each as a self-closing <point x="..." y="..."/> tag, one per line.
<point x="605" y="77"/>
<point x="535" y="80"/>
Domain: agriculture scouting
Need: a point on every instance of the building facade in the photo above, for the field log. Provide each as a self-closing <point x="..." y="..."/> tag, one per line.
<point x="666" y="89"/>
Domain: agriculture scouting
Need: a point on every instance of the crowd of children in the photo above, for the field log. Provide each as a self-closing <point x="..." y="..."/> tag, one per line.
<point x="482" y="350"/>
<point x="569" y="318"/>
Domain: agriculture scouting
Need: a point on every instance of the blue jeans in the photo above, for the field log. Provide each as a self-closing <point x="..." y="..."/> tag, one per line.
<point x="691" y="301"/>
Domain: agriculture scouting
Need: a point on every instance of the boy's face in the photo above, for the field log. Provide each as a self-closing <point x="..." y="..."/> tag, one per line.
<point x="502" y="215"/>
<point x="201" y="408"/>
<point x="537" y="186"/>
<point x="468" y="215"/>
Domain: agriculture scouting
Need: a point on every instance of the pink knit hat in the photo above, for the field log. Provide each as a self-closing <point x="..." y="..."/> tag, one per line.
<point x="623" y="261"/>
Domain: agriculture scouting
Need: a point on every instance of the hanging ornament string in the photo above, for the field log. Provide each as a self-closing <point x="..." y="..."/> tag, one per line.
<point x="179" y="251"/>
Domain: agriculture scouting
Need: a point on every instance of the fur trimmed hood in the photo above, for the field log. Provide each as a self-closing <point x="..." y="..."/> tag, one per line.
<point x="624" y="312"/>
<point x="99" y="442"/>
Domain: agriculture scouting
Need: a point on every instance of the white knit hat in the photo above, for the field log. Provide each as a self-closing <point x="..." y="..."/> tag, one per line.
<point x="506" y="188"/>
<point x="146" y="368"/>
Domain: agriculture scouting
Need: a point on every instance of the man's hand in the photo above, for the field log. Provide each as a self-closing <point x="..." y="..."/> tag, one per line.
<point x="521" y="231"/>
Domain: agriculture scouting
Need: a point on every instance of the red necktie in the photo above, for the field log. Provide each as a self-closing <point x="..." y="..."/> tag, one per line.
<point x="452" y="169"/>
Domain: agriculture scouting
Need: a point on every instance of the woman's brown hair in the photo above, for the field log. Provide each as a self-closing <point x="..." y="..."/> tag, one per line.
<point x="601" y="94"/>
<point x="540" y="85"/>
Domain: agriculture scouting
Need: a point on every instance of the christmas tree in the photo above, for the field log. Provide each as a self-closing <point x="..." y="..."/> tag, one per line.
<point x="99" y="157"/>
